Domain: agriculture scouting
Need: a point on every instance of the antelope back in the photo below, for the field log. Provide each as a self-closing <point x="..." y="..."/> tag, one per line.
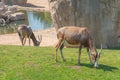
<point x="24" y="30"/>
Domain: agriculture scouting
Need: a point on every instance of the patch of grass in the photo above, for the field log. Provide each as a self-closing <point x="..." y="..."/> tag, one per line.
<point x="38" y="63"/>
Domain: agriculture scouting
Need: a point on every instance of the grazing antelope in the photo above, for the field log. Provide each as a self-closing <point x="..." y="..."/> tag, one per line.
<point x="77" y="36"/>
<point x="26" y="32"/>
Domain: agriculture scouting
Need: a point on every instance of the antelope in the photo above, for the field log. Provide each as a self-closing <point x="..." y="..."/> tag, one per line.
<point x="77" y="36"/>
<point x="26" y="32"/>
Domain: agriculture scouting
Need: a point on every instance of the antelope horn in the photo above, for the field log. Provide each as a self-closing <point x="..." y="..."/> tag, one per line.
<point x="40" y="38"/>
<point x="100" y="51"/>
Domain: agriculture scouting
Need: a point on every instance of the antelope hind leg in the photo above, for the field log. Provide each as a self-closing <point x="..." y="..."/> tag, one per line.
<point x="58" y="46"/>
<point x="61" y="47"/>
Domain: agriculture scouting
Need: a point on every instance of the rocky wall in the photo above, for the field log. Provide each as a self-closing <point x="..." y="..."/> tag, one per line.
<point x="102" y="17"/>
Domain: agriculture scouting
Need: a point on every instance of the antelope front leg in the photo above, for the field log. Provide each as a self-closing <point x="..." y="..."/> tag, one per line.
<point x="21" y="39"/>
<point x="79" y="54"/>
<point x="61" y="47"/>
<point x="88" y="51"/>
<point x="24" y="41"/>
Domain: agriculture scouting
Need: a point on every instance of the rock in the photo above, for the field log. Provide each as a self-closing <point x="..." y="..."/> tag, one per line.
<point x="5" y="18"/>
<point x="17" y="16"/>
<point x="102" y="17"/>
<point x="19" y="2"/>
<point x="14" y="2"/>
<point x="2" y="8"/>
<point x="1" y="4"/>
<point x="5" y="1"/>
<point x="2" y="21"/>
<point x="118" y="40"/>
<point x="12" y="9"/>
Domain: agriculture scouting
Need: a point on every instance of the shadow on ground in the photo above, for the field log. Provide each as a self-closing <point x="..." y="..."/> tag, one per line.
<point x="101" y="66"/>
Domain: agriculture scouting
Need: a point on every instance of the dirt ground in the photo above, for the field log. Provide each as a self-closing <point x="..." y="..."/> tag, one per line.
<point x="48" y="38"/>
<point x="40" y="3"/>
<point x="48" y="35"/>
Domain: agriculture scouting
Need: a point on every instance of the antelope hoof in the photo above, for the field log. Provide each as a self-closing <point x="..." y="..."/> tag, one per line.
<point x="64" y="60"/>
<point x="78" y="64"/>
<point x="56" y="60"/>
<point x="91" y="63"/>
<point x="95" y="66"/>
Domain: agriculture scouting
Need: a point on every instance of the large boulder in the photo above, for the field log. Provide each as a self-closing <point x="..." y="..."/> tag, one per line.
<point x="102" y="17"/>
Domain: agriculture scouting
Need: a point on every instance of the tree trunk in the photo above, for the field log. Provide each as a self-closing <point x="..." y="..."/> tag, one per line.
<point x="102" y="17"/>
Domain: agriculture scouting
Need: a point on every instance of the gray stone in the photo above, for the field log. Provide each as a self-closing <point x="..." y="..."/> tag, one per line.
<point x="2" y="8"/>
<point x="13" y="9"/>
<point x="17" y="16"/>
<point x="14" y="2"/>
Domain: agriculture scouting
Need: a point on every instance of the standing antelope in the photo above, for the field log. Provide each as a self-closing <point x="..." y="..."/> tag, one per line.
<point x="77" y="36"/>
<point x="26" y="32"/>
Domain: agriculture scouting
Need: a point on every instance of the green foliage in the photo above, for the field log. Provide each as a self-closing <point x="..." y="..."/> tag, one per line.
<point x="38" y="63"/>
<point x="44" y="16"/>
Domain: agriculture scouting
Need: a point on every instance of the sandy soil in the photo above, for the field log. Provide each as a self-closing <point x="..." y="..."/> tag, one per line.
<point x="48" y="38"/>
<point x="40" y="3"/>
<point x="36" y="5"/>
<point x="48" y="35"/>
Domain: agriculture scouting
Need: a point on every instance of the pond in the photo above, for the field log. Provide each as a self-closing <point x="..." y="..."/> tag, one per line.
<point x="39" y="20"/>
<point x="36" y="20"/>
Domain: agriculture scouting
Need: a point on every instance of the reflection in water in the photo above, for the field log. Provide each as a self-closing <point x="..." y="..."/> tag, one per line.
<point x="39" y="20"/>
<point x="36" y="20"/>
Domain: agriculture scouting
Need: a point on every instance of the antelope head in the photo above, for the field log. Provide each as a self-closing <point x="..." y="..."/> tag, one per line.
<point x="39" y="40"/>
<point x="97" y="57"/>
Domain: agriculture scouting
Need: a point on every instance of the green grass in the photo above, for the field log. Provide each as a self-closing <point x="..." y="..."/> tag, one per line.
<point x="38" y="63"/>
